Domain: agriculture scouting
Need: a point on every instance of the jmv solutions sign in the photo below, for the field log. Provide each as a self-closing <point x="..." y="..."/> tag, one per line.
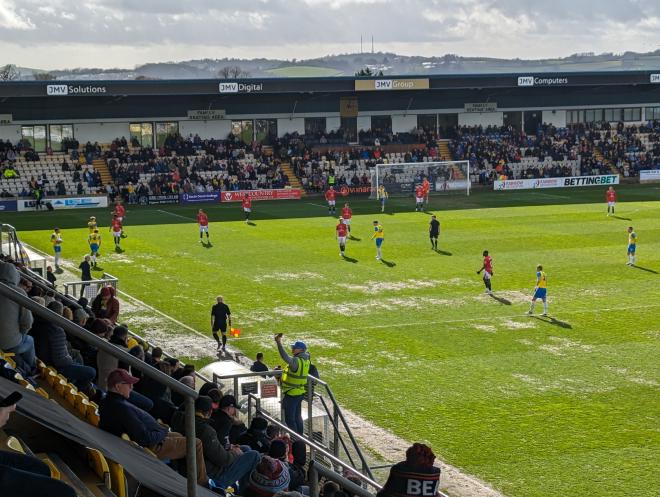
<point x="391" y="84"/>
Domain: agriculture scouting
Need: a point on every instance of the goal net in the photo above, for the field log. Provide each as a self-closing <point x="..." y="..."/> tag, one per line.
<point x="402" y="178"/>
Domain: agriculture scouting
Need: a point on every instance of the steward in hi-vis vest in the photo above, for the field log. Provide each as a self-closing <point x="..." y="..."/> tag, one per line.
<point x="294" y="382"/>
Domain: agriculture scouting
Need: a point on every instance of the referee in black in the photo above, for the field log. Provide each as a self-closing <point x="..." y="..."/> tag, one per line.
<point x="434" y="232"/>
<point x="220" y="318"/>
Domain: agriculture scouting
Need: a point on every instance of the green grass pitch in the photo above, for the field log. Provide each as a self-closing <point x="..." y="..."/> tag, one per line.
<point x="568" y="406"/>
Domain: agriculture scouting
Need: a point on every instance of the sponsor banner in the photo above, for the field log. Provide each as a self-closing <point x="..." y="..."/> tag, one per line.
<point x="66" y="90"/>
<point x="571" y="182"/>
<point x="480" y="107"/>
<point x="162" y="199"/>
<point x="236" y="87"/>
<point x="649" y="175"/>
<point x="276" y="194"/>
<point x="206" y="115"/>
<point x="345" y="191"/>
<point x="391" y="84"/>
<point x="8" y="205"/>
<point x="542" y="81"/>
<point x="196" y="198"/>
<point x="655" y="78"/>
<point x="6" y="119"/>
<point x="65" y="203"/>
<point x="451" y="185"/>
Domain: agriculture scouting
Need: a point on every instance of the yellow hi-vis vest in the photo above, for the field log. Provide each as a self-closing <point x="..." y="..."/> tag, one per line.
<point x="294" y="383"/>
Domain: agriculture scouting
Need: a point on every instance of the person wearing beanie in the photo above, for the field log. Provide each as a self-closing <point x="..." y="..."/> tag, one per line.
<point x="416" y="476"/>
<point x="255" y="437"/>
<point x="225" y="464"/>
<point x="268" y="478"/>
<point x="279" y="449"/>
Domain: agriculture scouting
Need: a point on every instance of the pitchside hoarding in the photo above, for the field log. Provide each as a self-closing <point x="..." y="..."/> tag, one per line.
<point x="275" y="194"/>
<point x="571" y="182"/>
<point x="650" y="175"/>
<point x="65" y="203"/>
<point x="197" y="198"/>
<point x="8" y="206"/>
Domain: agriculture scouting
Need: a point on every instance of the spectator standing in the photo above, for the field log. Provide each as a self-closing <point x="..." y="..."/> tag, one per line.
<point x="416" y="476"/>
<point x="294" y="382"/>
<point x="85" y="273"/>
<point x="220" y="318"/>
<point x="25" y="475"/>
<point x="50" y="276"/>
<point x="56" y="240"/>
<point x="118" y="416"/>
<point x="258" y="366"/>
<point x="105" y="305"/>
<point x="16" y="321"/>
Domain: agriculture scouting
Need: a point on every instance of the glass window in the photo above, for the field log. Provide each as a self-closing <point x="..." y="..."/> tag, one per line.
<point x="164" y="131"/>
<point x="652" y="113"/>
<point x="593" y="115"/>
<point x="349" y="127"/>
<point x="265" y="130"/>
<point x="428" y="122"/>
<point x="27" y="135"/>
<point x="575" y="116"/>
<point x="142" y="134"/>
<point x="382" y="124"/>
<point x="315" y="125"/>
<point x="35" y="136"/>
<point x="243" y="129"/>
<point x="59" y="134"/>
<point x="632" y="114"/>
<point x="613" y="115"/>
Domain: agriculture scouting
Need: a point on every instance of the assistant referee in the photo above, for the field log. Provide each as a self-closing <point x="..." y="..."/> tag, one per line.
<point x="220" y="318"/>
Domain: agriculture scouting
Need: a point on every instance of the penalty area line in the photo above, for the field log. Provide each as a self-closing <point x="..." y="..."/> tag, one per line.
<point x="317" y="205"/>
<point x="176" y="215"/>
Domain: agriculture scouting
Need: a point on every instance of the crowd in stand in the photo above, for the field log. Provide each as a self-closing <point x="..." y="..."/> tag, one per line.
<point x="178" y="165"/>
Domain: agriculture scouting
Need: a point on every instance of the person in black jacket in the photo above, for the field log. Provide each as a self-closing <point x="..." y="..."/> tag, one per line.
<point x="416" y="476"/>
<point x="119" y="416"/>
<point x="225" y="420"/>
<point x="255" y="437"/>
<point x="226" y="464"/>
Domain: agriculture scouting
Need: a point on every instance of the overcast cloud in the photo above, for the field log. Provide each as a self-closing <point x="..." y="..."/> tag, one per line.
<point x="50" y="34"/>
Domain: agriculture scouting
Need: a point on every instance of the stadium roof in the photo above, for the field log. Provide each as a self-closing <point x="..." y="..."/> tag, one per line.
<point x="322" y="85"/>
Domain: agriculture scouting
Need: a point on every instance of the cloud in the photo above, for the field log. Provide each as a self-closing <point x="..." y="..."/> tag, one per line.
<point x="108" y="31"/>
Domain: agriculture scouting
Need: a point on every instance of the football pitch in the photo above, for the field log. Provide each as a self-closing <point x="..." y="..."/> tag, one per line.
<point x="562" y="406"/>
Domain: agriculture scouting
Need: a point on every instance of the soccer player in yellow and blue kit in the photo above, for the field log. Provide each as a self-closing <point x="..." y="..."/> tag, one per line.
<point x="56" y="240"/>
<point x="94" y="241"/>
<point x="92" y="224"/>
<point x="541" y="291"/>
<point x="379" y="236"/>
<point x="632" y="246"/>
<point x="382" y="195"/>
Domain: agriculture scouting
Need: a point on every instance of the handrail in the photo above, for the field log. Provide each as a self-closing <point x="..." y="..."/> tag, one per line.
<point x="313" y="445"/>
<point x="310" y="379"/>
<point x="72" y="328"/>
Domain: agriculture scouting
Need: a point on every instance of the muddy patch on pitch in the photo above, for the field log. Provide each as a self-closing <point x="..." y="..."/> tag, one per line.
<point x="288" y="276"/>
<point x="488" y="328"/>
<point x="561" y="346"/>
<point x="292" y="311"/>
<point x="517" y="325"/>
<point x="389" y="304"/>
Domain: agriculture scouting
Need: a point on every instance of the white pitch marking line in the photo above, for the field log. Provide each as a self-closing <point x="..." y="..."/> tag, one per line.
<point x="176" y="215"/>
<point x="317" y="205"/>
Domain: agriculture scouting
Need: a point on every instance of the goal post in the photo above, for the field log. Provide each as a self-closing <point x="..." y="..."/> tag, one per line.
<point x="402" y="178"/>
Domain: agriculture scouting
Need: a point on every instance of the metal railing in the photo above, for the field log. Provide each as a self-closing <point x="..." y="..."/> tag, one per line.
<point x="73" y="329"/>
<point x="319" y="397"/>
<point x="89" y="288"/>
<point x="11" y="246"/>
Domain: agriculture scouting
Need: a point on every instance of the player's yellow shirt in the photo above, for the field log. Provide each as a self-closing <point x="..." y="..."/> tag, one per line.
<point x="378" y="232"/>
<point x="382" y="193"/>
<point x="92" y="225"/>
<point x="94" y="238"/>
<point x="632" y="238"/>
<point x="542" y="279"/>
<point x="55" y="239"/>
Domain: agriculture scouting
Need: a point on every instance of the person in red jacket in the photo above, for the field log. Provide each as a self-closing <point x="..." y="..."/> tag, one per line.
<point x="342" y="231"/>
<point x="330" y="196"/>
<point x="610" y="196"/>
<point x="419" y="198"/>
<point x="203" y="221"/>
<point x="347" y="215"/>
<point x="106" y="305"/>
<point x="247" y="207"/>
<point x="120" y="213"/>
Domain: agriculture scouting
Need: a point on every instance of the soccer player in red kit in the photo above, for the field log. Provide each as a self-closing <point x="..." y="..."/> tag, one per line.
<point x="203" y="221"/>
<point x="342" y="231"/>
<point x="247" y="207"/>
<point x="419" y="198"/>
<point x="120" y="212"/>
<point x="487" y="268"/>
<point x="330" y="196"/>
<point x="610" y="196"/>
<point x="116" y="228"/>
<point x="346" y="215"/>
<point x="427" y="188"/>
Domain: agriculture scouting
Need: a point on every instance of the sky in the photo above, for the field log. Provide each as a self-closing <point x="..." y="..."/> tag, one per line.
<point x="59" y="34"/>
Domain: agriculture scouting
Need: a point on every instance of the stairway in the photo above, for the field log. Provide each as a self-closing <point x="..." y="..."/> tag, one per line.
<point x="598" y="155"/>
<point x="443" y="150"/>
<point x="101" y="166"/>
<point x="294" y="181"/>
<point x="445" y="154"/>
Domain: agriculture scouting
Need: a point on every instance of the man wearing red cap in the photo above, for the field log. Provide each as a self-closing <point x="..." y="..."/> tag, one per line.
<point x="119" y="416"/>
